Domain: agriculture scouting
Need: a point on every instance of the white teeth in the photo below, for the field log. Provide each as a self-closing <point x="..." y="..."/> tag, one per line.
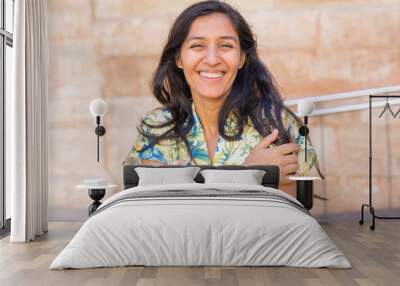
<point x="211" y="75"/>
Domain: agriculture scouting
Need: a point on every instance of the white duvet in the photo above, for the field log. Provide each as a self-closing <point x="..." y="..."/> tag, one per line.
<point x="183" y="231"/>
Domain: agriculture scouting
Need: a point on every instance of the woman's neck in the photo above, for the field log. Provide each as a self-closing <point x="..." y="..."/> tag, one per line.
<point x="208" y="112"/>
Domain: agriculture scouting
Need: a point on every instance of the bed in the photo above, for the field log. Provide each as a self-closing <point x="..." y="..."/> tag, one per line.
<point x="201" y="224"/>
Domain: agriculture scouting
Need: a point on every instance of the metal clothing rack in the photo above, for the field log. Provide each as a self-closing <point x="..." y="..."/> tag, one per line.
<point x="369" y="205"/>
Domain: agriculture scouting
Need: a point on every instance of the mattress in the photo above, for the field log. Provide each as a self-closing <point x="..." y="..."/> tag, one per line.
<point x="201" y="225"/>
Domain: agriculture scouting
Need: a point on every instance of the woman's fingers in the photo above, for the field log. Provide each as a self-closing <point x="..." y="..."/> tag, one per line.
<point x="290" y="169"/>
<point x="290" y="159"/>
<point x="288" y="148"/>
<point x="281" y="155"/>
<point x="267" y="140"/>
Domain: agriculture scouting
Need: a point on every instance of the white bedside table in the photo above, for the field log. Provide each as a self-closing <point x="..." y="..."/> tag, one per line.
<point x="304" y="190"/>
<point x="96" y="193"/>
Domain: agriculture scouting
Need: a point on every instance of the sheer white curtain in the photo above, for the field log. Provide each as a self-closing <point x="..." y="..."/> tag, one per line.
<point x="27" y="142"/>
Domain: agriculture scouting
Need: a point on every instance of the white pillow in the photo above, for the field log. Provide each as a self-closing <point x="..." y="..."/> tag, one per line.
<point x="163" y="176"/>
<point x="249" y="177"/>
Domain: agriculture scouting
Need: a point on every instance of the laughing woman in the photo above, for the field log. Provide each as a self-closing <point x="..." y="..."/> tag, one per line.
<point x="219" y="102"/>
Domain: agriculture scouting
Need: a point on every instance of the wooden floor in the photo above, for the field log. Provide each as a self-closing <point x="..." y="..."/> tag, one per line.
<point x="375" y="257"/>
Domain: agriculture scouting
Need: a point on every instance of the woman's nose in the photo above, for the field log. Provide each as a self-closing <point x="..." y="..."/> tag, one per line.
<point x="212" y="57"/>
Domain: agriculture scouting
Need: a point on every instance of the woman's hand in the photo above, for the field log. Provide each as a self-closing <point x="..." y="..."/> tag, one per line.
<point x="284" y="156"/>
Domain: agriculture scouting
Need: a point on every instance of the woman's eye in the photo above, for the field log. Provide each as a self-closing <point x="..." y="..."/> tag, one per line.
<point x="227" y="46"/>
<point x="196" y="46"/>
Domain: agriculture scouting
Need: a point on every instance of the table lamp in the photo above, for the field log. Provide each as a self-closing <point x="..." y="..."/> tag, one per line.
<point x="304" y="185"/>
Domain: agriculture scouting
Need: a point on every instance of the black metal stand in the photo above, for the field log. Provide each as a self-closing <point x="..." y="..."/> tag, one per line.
<point x="96" y="195"/>
<point x="369" y="205"/>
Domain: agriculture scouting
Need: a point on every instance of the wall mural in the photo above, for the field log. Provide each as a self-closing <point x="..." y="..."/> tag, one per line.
<point x="209" y="82"/>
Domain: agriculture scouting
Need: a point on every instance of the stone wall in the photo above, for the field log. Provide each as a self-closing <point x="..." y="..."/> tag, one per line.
<point x="110" y="48"/>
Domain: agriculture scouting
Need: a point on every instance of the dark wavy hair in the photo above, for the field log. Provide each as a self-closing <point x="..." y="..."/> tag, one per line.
<point x="253" y="95"/>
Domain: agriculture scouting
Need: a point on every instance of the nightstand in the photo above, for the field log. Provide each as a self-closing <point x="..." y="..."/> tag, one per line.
<point x="304" y="190"/>
<point x="96" y="193"/>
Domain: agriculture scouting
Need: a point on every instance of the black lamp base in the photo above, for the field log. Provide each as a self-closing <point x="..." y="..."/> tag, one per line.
<point x="304" y="193"/>
<point x="96" y="195"/>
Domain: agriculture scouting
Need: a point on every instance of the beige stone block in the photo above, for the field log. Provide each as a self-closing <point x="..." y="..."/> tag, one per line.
<point x="393" y="131"/>
<point x="381" y="192"/>
<point x="394" y="192"/>
<point x="356" y="69"/>
<point x="378" y="67"/>
<point x="72" y="151"/>
<point x="301" y="64"/>
<point x="145" y="35"/>
<point x="333" y="192"/>
<point x="369" y="26"/>
<point x="332" y="71"/>
<point x="347" y="193"/>
<point x="275" y="32"/>
<point x="75" y="91"/>
<point x="343" y="151"/>
<point x="394" y="162"/>
<point x="126" y="111"/>
<point x="354" y="4"/>
<point x="72" y="62"/>
<point x="67" y="112"/>
<point x="341" y="118"/>
<point x="364" y="117"/>
<point x="109" y="9"/>
<point x="281" y="71"/>
<point x="127" y="75"/>
<point x="307" y="73"/>
<point x="69" y="19"/>
<point x="256" y="5"/>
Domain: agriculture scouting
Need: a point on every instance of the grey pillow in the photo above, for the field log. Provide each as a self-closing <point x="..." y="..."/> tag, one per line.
<point x="249" y="177"/>
<point x="162" y="176"/>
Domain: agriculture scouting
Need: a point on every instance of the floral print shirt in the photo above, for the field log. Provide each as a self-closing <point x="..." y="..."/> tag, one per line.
<point x="171" y="152"/>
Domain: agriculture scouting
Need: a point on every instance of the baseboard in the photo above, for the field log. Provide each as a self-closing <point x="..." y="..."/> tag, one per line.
<point x="355" y="216"/>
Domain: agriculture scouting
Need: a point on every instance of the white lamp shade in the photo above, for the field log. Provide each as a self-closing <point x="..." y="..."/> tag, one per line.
<point x="305" y="107"/>
<point x="98" y="107"/>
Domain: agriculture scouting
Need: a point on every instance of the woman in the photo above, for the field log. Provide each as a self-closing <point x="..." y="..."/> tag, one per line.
<point x="219" y="102"/>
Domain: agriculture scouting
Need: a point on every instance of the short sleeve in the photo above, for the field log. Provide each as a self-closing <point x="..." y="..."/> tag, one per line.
<point x="292" y="127"/>
<point x="143" y="149"/>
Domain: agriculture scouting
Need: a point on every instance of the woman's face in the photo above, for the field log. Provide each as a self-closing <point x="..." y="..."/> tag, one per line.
<point x="210" y="56"/>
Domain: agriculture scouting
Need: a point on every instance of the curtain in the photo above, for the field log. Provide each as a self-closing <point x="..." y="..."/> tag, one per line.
<point x="27" y="128"/>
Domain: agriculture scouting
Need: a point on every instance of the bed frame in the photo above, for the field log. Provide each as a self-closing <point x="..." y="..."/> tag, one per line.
<point x="270" y="179"/>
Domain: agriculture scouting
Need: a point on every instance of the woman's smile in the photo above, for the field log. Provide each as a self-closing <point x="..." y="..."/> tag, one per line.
<point x="211" y="75"/>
